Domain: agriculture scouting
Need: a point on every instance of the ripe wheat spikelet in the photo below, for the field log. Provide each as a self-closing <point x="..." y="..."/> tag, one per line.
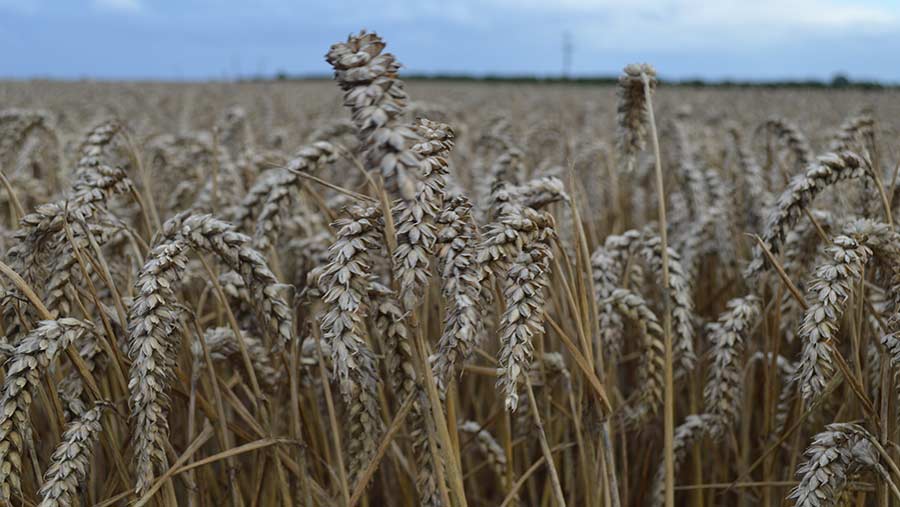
<point x="414" y="219"/>
<point x="396" y="336"/>
<point x="604" y="269"/>
<point x="687" y="434"/>
<point x="208" y="234"/>
<point x="71" y="389"/>
<point x="758" y="198"/>
<point x="694" y="184"/>
<point x="650" y="371"/>
<point x="506" y="174"/>
<point x="222" y="344"/>
<point x="856" y="133"/>
<point x="16" y="124"/>
<point x="488" y="446"/>
<point x="680" y="297"/>
<point x="153" y="339"/>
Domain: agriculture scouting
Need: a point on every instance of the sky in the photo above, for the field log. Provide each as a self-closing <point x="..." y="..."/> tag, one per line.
<point x="216" y="39"/>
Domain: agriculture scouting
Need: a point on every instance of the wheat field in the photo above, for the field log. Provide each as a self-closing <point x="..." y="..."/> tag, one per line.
<point x="365" y="292"/>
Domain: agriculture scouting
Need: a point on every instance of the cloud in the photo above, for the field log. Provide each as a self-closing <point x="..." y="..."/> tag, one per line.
<point x="119" y="5"/>
<point x="643" y="25"/>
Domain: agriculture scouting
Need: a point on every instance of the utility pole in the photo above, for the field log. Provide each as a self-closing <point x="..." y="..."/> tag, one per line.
<point x="567" y="55"/>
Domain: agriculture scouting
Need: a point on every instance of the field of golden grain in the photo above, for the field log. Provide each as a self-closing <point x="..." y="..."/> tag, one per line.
<point x="361" y="292"/>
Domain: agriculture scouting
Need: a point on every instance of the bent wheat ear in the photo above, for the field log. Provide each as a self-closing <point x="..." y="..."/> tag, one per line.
<point x="206" y="233"/>
<point x="307" y="160"/>
<point x="650" y="374"/>
<point x="223" y="344"/>
<point x="833" y="457"/>
<point x="687" y="434"/>
<point x="414" y="219"/>
<point x="377" y="101"/>
<point x="32" y="356"/>
<point x="396" y="336"/>
<point x="71" y="460"/>
<point x="681" y="299"/>
<point x="487" y="444"/>
<point x="695" y="187"/>
<point x="852" y="131"/>
<point x="606" y="279"/>
<point x="802" y="190"/>
<point x="793" y="138"/>
<point x="631" y="113"/>
<point x="827" y="296"/>
<point x="153" y="341"/>
<point x="751" y="174"/>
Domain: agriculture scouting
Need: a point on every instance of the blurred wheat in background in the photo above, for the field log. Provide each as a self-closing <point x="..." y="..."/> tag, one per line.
<point x="354" y="293"/>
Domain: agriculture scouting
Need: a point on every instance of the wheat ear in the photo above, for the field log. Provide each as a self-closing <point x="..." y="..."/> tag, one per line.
<point x="632" y="113"/>
<point x="71" y="461"/>
<point x="31" y="358"/>
<point x="724" y="384"/>
<point x="344" y="283"/>
<point x="687" y="434"/>
<point x="523" y="318"/>
<point x="650" y="372"/>
<point x="463" y="287"/>
<point x="802" y="190"/>
<point x="826" y="297"/>
<point x="833" y="456"/>
<point x="377" y="101"/>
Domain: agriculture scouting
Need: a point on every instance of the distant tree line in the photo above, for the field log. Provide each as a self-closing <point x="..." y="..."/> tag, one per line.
<point x="838" y="81"/>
